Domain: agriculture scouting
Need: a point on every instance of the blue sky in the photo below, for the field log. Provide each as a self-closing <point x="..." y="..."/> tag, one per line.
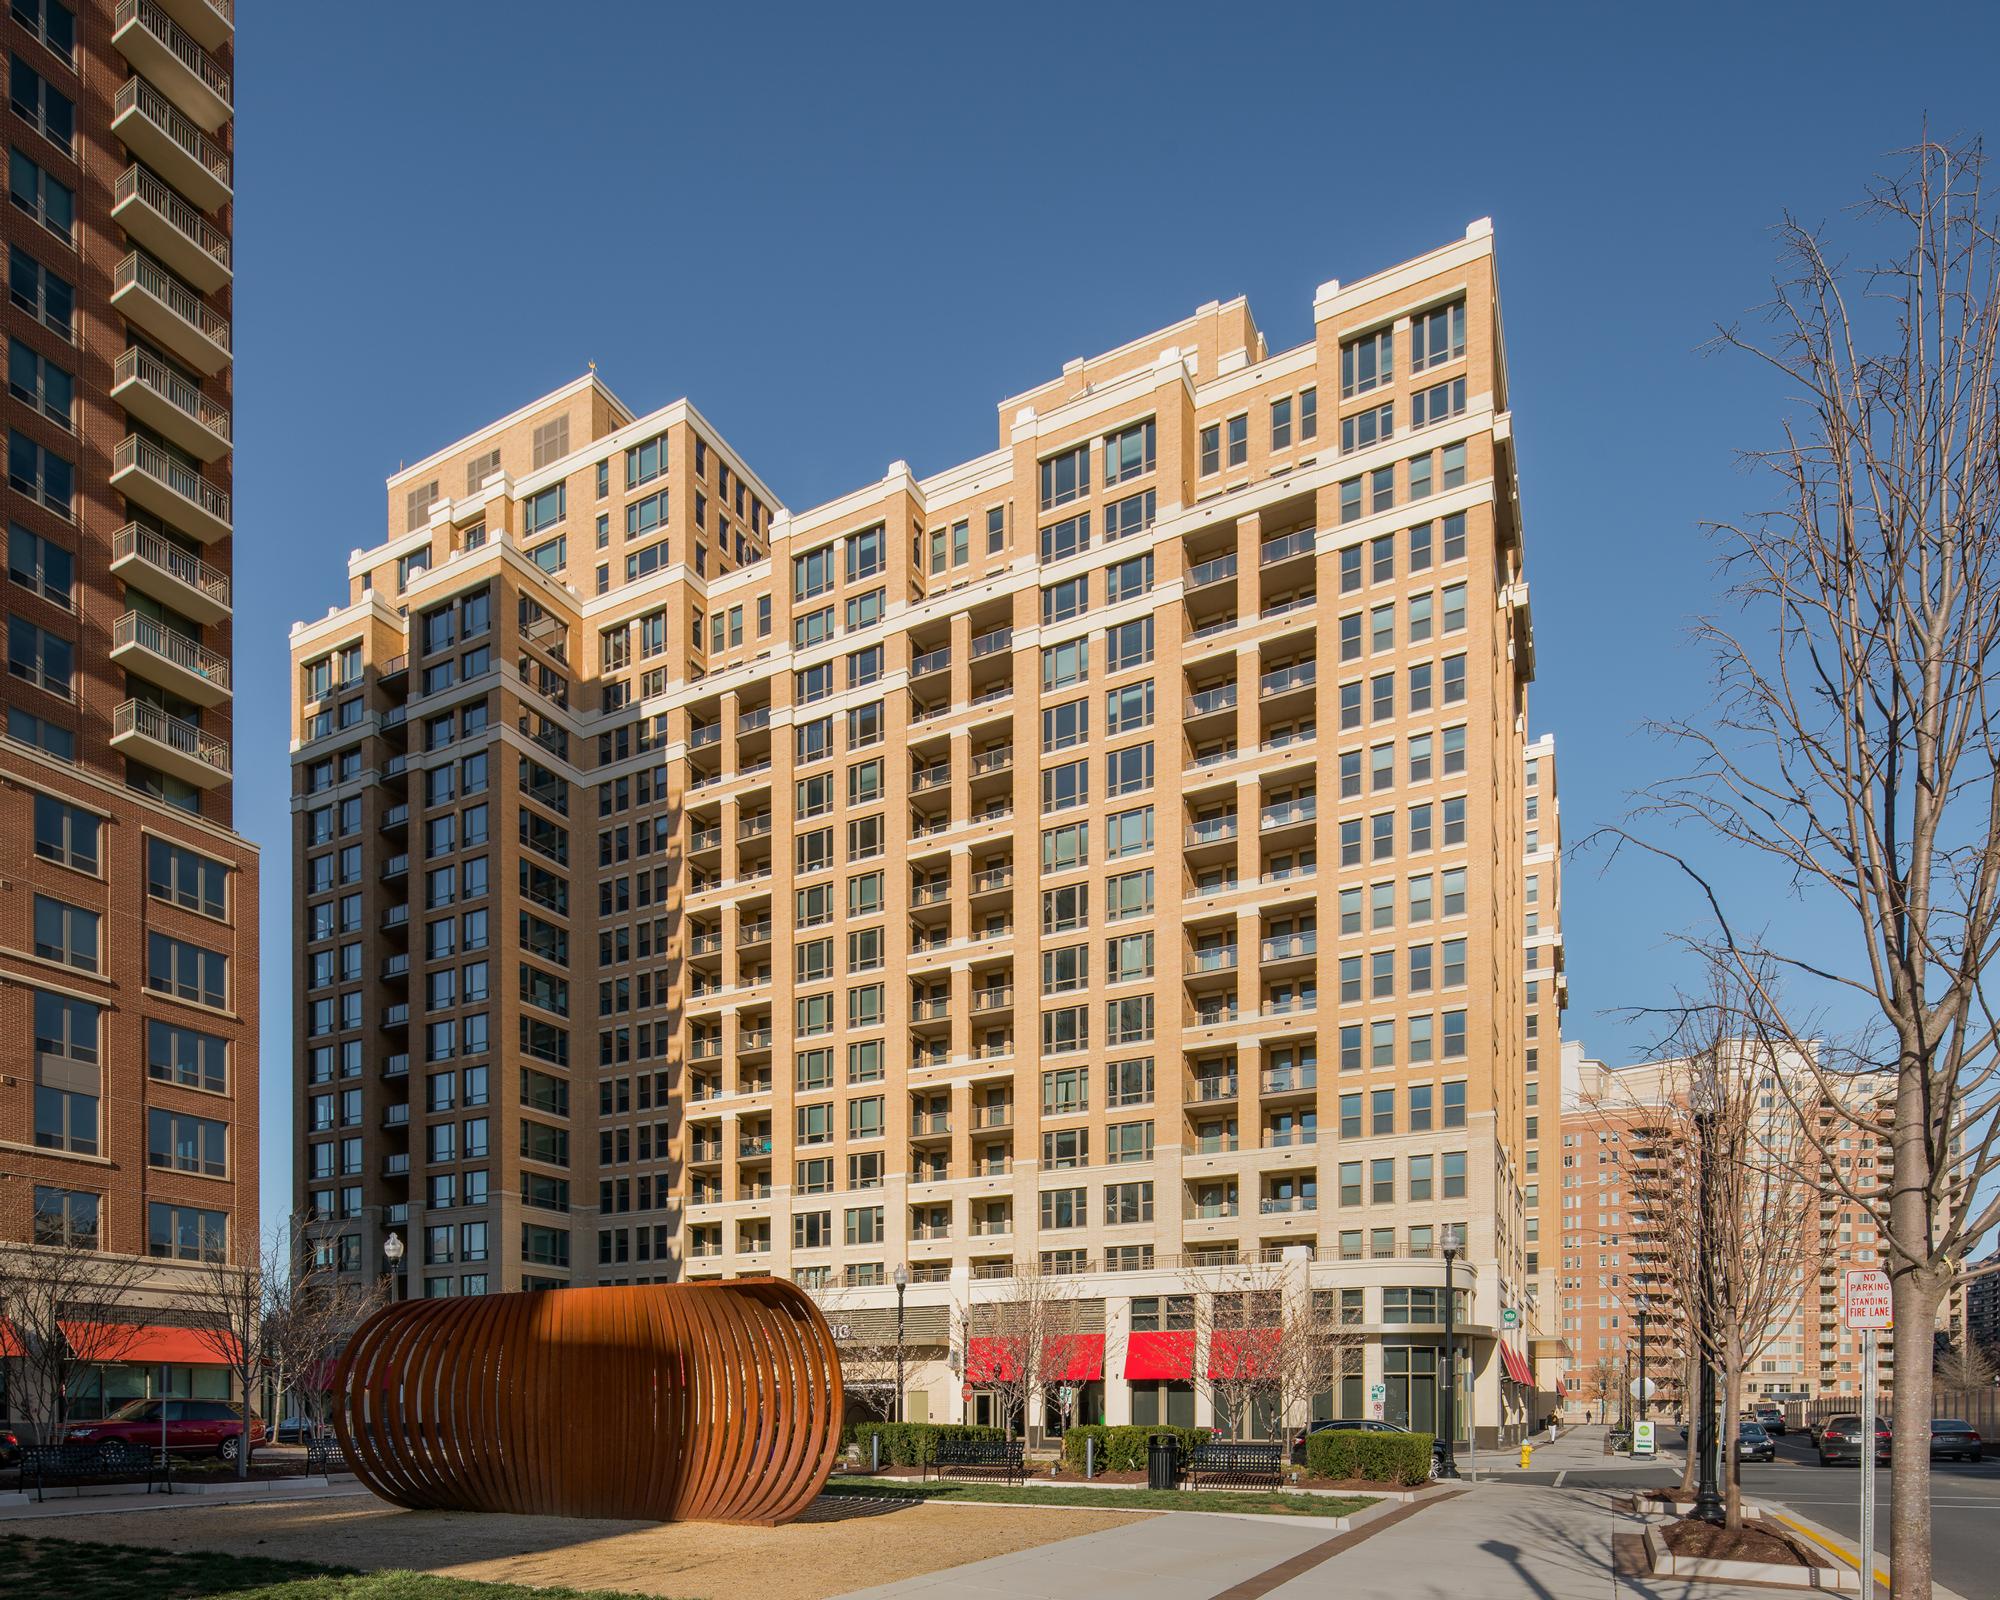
<point x="845" y="233"/>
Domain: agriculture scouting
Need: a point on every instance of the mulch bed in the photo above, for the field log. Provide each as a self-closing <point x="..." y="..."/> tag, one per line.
<point x="1754" y="1541"/>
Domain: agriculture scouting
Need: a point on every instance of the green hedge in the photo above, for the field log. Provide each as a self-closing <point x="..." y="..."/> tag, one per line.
<point x="1401" y="1458"/>
<point x="1121" y="1449"/>
<point x="911" y="1444"/>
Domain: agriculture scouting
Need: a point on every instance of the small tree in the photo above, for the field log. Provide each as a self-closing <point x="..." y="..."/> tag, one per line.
<point x="1965" y="1366"/>
<point x="867" y="1349"/>
<point x="234" y="1310"/>
<point x="311" y="1317"/>
<point x="68" y="1304"/>
<point x="1265" y="1344"/>
<point x="1027" y="1333"/>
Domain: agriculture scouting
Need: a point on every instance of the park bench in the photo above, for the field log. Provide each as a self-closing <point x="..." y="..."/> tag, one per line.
<point x="45" y="1464"/>
<point x="976" y="1458"/>
<point x="1235" y="1466"/>
<point x="325" y="1457"/>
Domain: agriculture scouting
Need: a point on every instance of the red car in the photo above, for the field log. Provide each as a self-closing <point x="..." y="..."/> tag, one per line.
<point x="192" y="1427"/>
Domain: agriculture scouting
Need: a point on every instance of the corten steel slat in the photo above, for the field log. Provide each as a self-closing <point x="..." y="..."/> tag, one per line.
<point x="724" y="1401"/>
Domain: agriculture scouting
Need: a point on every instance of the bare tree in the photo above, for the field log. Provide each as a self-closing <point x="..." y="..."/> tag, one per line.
<point x="867" y="1347"/>
<point x="1852" y="745"/>
<point x="1028" y="1335"/>
<point x="311" y="1316"/>
<point x="69" y="1305"/>
<point x="1266" y="1343"/>
<point x="233" y="1310"/>
<point x="1965" y="1366"/>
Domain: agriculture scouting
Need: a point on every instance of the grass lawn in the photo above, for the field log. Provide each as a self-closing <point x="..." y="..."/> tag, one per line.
<point x="57" y="1569"/>
<point x="1264" y="1502"/>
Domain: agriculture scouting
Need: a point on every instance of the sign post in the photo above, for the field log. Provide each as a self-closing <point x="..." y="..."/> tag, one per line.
<point x="1642" y="1439"/>
<point x="1867" y="1307"/>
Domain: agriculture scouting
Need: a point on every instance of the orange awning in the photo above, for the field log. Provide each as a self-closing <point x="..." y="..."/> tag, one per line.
<point x="145" y="1345"/>
<point x="10" y="1343"/>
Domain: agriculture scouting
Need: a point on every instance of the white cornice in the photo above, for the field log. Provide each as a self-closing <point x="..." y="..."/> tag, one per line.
<point x="589" y="380"/>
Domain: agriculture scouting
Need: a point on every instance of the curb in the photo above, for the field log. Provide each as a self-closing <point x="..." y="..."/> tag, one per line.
<point x="1665" y="1564"/>
<point x="1836" y="1546"/>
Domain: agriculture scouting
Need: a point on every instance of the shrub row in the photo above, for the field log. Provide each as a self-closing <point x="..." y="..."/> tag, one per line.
<point x="1121" y="1449"/>
<point x="1400" y="1458"/>
<point x="912" y="1444"/>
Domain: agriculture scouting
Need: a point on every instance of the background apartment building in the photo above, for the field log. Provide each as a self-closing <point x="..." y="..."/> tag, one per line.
<point x="129" y="954"/>
<point x="976" y="873"/>
<point x="1625" y="1169"/>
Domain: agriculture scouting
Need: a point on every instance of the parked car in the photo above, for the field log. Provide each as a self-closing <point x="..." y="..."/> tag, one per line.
<point x="1952" y="1437"/>
<point x="1359" y="1425"/>
<point x="10" y="1448"/>
<point x="1839" y="1439"/>
<point x="1772" y="1417"/>
<point x="297" y="1430"/>
<point x="1753" y="1443"/>
<point x="190" y="1427"/>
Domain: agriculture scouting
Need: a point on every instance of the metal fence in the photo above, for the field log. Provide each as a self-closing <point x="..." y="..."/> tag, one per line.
<point x="1980" y="1407"/>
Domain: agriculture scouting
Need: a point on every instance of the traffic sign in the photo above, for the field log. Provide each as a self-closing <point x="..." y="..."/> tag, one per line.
<point x="965" y="1393"/>
<point x="1865" y="1302"/>
<point x="1509" y="1317"/>
<point x="1642" y="1439"/>
<point x="1378" y="1391"/>
<point x="1644" y="1388"/>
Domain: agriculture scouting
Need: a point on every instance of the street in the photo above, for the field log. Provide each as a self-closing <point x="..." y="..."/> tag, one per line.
<point x="1965" y="1500"/>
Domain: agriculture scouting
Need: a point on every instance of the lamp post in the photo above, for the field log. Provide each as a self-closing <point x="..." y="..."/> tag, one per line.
<point x="392" y="1252"/>
<point x="1708" y="1499"/>
<point x="1447" y="1462"/>
<point x="1645" y="1309"/>
<point x="902" y="1279"/>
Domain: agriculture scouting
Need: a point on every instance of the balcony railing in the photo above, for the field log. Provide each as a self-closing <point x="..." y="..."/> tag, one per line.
<point x="930" y="661"/>
<point x="753" y="827"/>
<point x="1288" y="1080"/>
<point x="928" y="778"/>
<point x="931" y="1009"/>
<point x="754" y="1039"/>
<point x="991" y="878"/>
<point x="136" y="94"/>
<point x="1223" y="1088"/>
<point x="1272" y="551"/>
<point x="992" y="1116"/>
<point x="1217" y="960"/>
<point x="992" y="999"/>
<point x="710" y="733"/>
<point x="148" y="721"/>
<point x="1212" y="830"/>
<point x="149" y="275"/>
<point x="1220" y="570"/>
<point x="143" y="544"/>
<point x="1300" y="675"/>
<point x="996" y="760"/>
<point x="183" y="47"/>
<point x="1287" y="946"/>
<point x="753" y="1144"/>
<point x="706" y="839"/>
<point x="155" y="463"/>
<point x="1288" y="812"/>
<point x="1220" y="698"/>
<point x="156" y="638"/>
<point x="990" y="643"/>
<point x="929" y="894"/>
<point x="926" y="1123"/>
<point x="152" y="191"/>
<point x="754" y="933"/>
<point x="170" y="386"/>
<point x="1282" y="1204"/>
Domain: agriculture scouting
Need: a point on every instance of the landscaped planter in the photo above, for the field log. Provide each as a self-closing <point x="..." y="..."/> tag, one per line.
<point x="1808" y="1570"/>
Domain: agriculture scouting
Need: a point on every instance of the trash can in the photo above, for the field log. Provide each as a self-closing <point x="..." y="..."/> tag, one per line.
<point x="1163" y="1462"/>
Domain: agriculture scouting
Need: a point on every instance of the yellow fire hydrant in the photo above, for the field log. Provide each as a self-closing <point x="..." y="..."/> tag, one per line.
<point x="1527" y="1454"/>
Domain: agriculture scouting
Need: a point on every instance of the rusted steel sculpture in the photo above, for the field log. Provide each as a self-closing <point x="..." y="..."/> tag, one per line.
<point x="695" y="1402"/>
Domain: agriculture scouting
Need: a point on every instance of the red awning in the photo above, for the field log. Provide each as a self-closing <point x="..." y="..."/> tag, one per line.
<point x="1076" y="1358"/>
<point x="144" y="1345"/>
<point x="10" y="1344"/>
<point x="1157" y="1356"/>
<point x="989" y="1360"/>
<point x="1243" y="1353"/>
<point x="1516" y="1366"/>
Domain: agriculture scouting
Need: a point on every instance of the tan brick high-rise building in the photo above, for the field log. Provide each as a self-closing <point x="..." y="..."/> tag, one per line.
<point x="128" y="960"/>
<point x="977" y="872"/>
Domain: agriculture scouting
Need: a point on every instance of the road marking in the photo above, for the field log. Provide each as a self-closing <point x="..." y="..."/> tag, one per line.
<point x="1848" y="1556"/>
<point x="1559" y="1478"/>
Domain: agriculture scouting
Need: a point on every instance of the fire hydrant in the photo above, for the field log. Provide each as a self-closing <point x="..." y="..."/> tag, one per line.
<point x="1527" y="1454"/>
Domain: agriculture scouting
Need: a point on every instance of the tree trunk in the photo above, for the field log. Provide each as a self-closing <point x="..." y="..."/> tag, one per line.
<point x="1732" y="1465"/>
<point x="1690" y="1387"/>
<point x="1917" y="1294"/>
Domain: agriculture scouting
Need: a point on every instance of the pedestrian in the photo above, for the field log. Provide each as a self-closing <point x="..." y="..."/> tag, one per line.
<point x="1552" y="1429"/>
<point x="1586" y="1416"/>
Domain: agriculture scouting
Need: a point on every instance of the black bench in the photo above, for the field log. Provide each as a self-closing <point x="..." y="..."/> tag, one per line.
<point x="45" y="1464"/>
<point x="325" y="1457"/>
<point x="975" y="1458"/>
<point x="1236" y="1466"/>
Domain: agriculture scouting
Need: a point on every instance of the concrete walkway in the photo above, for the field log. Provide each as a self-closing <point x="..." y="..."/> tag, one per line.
<point x="1495" y="1541"/>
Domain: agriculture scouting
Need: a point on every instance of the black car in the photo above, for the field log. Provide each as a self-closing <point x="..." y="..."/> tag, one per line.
<point x="1771" y="1416"/>
<point x="1839" y="1439"/>
<point x="1754" y="1443"/>
<point x="1952" y="1437"/>
<point x="1360" y="1425"/>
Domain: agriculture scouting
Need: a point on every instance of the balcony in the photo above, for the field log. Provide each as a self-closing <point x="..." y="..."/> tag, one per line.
<point x="1278" y="1205"/>
<point x="1286" y="814"/>
<point x="1289" y="946"/>
<point x="754" y="721"/>
<point x="1285" y="548"/>
<point x="1209" y="701"/>
<point x="149" y="564"/>
<point x="397" y="1015"/>
<point x="159" y="135"/>
<point x="150" y="736"/>
<point x="1219" y="958"/>
<point x="930" y="661"/>
<point x="211" y="23"/>
<point x="396" y="1116"/>
<point x="1000" y="759"/>
<point x="753" y="827"/>
<point x="1284" y="680"/>
<point x="397" y="1165"/>
<point x="177" y="663"/>
<point x="156" y="395"/>
<point x="396" y="1066"/>
<point x="146" y="34"/>
<point x="992" y="643"/>
<point x="170" y="313"/>
<point x="753" y="1146"/>
<point x="991" y="880"/>
<point x="986" y="1000"/>
<point x="926" y="779"/>
<point x="184" y="241"/>
<point x="396" y="967"/>
<point x="394" y="917"/>
<point x="1212" y="830"/>
<point x="930" y="1125"/>
<point x="1290" y="1080"/>
<point x="148" y="476"/>
<point x="1220" y="570"/>
<point x="397" y="866"/>
<point x="397" y="817"/>
<point x="1209" y="1090"/>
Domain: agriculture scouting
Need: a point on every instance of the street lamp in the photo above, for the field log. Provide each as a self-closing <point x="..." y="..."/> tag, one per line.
<point x="392" y="1251"/>
<point x="1447" y="1463"/>
<point x="1645" y="1309"/>
<point x="1708" y="1499"/>
<point x="902" y="1280"/>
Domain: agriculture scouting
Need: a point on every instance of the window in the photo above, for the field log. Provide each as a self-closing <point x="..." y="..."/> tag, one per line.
<point x="1064" y="664"/>
<point x="1281" y="423"/>
<point x="39" y="383"/>
<point x="186" y="878"/>
<point x="65" y="933"/>
<point x="185" y="1233"/>
<point x="1066" y="786"/>
<point x="1064" y="1208"/>
<point x="66" y="834"/>
<point x="1437" y="337"/>
<point x="1237" y="432"/>
<point x="1134" y="514"/>
<point x="66" y="1217"/>
<point x="646" y="461"/>
<point x="1437" y="403"/>
<point x="51" y="300"/>
<point x="1128" y="645"/>
<point x="1129" y="771"/>
<point x="543" y="510"/>
<point x="50" y="203"/>
<point x="1365" y="428"/>
<point x="173" y="966"/>
<point x="1367" y="363"/>
<point x="40" y="474"/>
<point x="1129" y="708"/>
<point x="812" y="573"/>
<point x="1065" y="477"/>
<point x="1211" y="450"/>
<point x="1070" y="598"/>
<point x="646" y="515"/>
<point x="182" y="1143"/>
<point x="1129" y="452"/>
<point x="50" y="21"/>
<point x="1128" y="579"/>
<point x="1454" y="1175"/>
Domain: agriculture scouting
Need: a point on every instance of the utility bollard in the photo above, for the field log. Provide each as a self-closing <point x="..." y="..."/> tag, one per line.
<point x="1090" y="1455"/>
<point x="1527" y="1454"/>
